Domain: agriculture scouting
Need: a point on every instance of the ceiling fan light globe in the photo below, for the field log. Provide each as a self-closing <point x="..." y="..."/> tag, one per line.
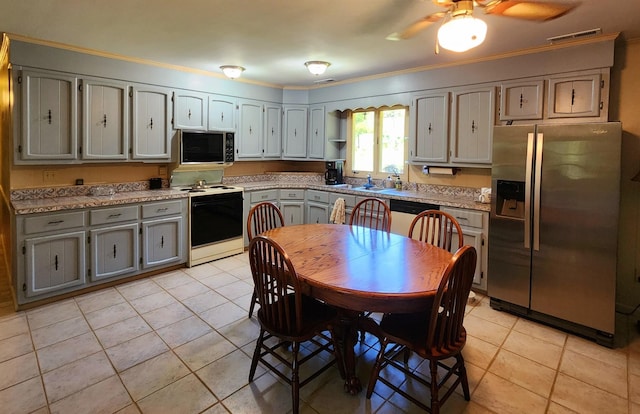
<point x="462" y="33"/>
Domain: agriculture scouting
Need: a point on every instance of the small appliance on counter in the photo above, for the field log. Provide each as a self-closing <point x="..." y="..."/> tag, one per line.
<point x="334" y="173"/>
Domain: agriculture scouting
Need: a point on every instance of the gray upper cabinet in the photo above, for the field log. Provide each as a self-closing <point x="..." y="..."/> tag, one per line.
<point x="472" y="125"/>
<point x="49" y="116"/>
<point x="574" y="96"/>
<point x="272" y="131"/>
<point x="105" y="120"/>
<point x="316" y="132"/>
<point x="250" y="134"/>
<point x="222" y="111"/>
<point x="295" y="131"/>
<point x="151" y="121"/>
<point x="521" y="99"/>
<point x="431" y="123"/>
<point x="190" y="110"/>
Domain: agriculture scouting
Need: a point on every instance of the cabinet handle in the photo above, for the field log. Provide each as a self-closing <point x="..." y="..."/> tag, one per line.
<point x="49" y="117"/>
<point x="114" y="251"/>
<point x="295" y="132"/>
<point x="162" y="210"/>
<point x="250" y="130"/>
<point x="291" y="221"/>
<point x="573" y="96"/>
<point x="222" y="117"/>
<point x="104" y="120"/>
<point x="521" y="101"/>
<point x="271" y="130"/>
<point x="56" y="262"/>
<point x="316" y="132"/>
<point x="151" y="124"/>
<point x="473" y="126"/>
<point x="56" y="222"/>
<point x="114" y="215"/>
<point x="429" y="129"/>
<point x="162" y="242"/>
<point x="189" y="114"/>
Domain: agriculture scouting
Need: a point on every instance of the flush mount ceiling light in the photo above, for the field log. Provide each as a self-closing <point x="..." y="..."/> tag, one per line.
<point x="317" y="67"/>
<point x="232" y="72"/>
<point x="462" y="32"/>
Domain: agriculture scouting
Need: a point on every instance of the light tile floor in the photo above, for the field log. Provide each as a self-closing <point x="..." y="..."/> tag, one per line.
<point x="181" y="342"/>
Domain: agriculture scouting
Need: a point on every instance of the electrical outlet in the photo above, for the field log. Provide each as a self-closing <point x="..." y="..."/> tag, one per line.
<point x="162" y="171"/>
<point x="48" y="176"/>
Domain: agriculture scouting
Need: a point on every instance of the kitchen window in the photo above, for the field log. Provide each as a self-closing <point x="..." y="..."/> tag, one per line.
<point x="379" y="141"/>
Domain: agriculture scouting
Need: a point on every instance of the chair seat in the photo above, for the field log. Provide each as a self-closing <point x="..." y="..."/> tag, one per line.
<point x="412" y="329"/>
<point x="316" y="316"/>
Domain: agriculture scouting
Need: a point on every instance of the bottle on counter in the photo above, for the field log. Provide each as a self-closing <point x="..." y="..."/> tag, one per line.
<point x="398" y="184"/>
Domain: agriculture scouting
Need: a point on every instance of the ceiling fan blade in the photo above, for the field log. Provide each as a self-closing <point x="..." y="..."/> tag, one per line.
<point x="528" y="10"/>
<point x="416" y="27"/>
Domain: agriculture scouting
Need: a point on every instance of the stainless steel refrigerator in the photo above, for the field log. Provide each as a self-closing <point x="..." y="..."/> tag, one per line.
<point x="554" y="224"/>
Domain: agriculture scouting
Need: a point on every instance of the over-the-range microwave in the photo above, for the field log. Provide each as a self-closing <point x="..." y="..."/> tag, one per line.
<point x="206" y="147"/>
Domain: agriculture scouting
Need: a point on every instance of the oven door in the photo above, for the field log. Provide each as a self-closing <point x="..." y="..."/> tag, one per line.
<point x="215" y="218"/>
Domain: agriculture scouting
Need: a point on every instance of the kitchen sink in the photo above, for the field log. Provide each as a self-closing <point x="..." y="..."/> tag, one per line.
<point x="369" y="188"/>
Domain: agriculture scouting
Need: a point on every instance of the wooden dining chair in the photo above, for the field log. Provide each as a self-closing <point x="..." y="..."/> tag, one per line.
<point x="262" y="217"/>
<point x="373" y="213"/>
<point x="436" y="227"/>
<point x="437" y="334"/>
<point x="288" y="316"/>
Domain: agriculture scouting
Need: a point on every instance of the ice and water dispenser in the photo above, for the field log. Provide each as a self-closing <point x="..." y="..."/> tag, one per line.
<point x="510" y="199"/>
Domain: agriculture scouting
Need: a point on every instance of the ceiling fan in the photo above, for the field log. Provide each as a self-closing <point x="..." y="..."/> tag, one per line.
<point x="458" y="10"/>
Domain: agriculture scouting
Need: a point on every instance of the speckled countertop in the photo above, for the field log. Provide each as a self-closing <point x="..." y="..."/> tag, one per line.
<point x="453" y="199"/>
<point x="42" y="200"/>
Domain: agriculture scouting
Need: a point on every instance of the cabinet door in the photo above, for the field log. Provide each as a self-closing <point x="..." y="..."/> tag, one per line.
<point x="189" y="110"/>
<point x="272" y="131"/>
<point x="293" y="212"/>
<point x="49" y="116"/>
<point x="432" y="128"/>
<point x="114" y="251"/>
<point x="222" y="111"/>
<point x="295" y="135"/>
<point x="474" y="238"/>
<point x="473" y="118"/>
<point x="54" y="262"/>
<point x="317" y="132"/>
<point x="317" y="213"/>
<point x="106" y="123"/>
<point x="575" y="96"/>
<point x="521" y="100"/>
<point x="249" y="138"/>
<point x="162" y="241"/>
<point x="151" y="123"/>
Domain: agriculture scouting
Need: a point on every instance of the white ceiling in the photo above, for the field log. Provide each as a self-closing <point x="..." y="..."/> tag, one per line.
<point x="273" y="38"/>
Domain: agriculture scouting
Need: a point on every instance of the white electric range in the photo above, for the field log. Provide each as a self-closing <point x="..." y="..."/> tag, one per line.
<point x="215" y="222"/>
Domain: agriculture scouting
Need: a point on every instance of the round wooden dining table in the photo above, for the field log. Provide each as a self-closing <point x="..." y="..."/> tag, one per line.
<point x="357" y="269"/>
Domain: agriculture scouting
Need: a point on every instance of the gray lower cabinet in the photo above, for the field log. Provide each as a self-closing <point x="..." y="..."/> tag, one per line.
<point x="53" y="263"/>
<point x="292" y="206"/>
<point x="317" y="206"/>
<point x="162" y="230"/>
<point x="65" y="251"/>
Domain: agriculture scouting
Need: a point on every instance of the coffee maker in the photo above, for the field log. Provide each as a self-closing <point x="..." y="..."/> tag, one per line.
<point x="334" y="173"/>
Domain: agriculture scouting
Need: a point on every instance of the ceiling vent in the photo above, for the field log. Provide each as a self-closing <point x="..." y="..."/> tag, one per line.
<point x="323" y="81"/>
<point x="576" y="35"/>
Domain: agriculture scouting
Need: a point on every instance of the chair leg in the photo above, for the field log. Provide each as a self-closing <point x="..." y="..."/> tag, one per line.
<point x="375" y="372"/>
<point x="463" y="377"/>
<point x="295" y="379"/>
<point x="256" y="355"/>
<point x="254" y="299"/>
<point x="435" y="402"/>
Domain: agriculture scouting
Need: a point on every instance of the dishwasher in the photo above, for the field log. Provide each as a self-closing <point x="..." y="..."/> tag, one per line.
<point x="403" y="212"/>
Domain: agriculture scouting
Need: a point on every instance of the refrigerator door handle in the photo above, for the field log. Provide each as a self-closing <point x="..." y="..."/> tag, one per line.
<point x="536" y="192"/>
<point x="527" y="192"/>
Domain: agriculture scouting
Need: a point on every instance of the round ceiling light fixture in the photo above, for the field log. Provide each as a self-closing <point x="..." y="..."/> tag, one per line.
<point x="317" y="67"/>
<point x="461" y="33"/>
<point x="231" y="71"/>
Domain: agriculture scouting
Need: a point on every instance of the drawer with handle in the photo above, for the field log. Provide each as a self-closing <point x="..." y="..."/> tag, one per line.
<point x="54" y="222"/>
<point x="466" y="218"/>
<point x="292" y="194"/>
<point x="164" y="208"/>
<point x="318" y="196"/>
<point x="113" y="215"/>
<point x="264" y="195"/>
